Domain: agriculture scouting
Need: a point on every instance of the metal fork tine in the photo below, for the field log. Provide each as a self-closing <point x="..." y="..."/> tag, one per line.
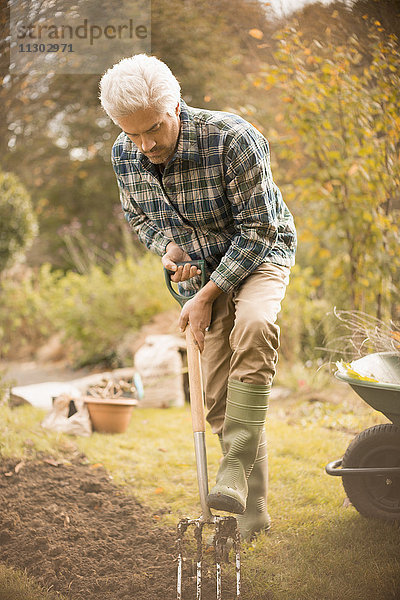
<point x="179" y="582"/>
<point x="199" y="539"/>
<point x="218" y="558"/>
<point x="237" y="563"/>
<point x="182" y="526"/>
<point x="225" y="528"/>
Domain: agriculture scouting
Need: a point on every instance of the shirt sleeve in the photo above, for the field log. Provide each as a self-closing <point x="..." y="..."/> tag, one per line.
<point x="146" y="231"/>
<point x="253" y="196"/>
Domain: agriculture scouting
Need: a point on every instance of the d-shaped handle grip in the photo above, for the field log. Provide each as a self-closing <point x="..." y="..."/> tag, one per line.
<point x="200" y="264"/>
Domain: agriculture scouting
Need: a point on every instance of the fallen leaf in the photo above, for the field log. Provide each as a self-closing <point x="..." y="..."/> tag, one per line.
<point x="161" y="449"/>
<point x="96" y="466"/>
<point x="353" y="169"/>
<point x="52" y="462"/>
<point x="256" y="34"/>
<point x="19" y="466"/>
<point x="396" y="336"/>
<point x="159" y="490"/>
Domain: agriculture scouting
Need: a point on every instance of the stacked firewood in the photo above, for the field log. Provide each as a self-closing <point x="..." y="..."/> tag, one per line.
<point x="108" y="388"/>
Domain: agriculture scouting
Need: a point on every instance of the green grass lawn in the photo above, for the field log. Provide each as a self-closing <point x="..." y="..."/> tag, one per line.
<point x="317" y="548"/>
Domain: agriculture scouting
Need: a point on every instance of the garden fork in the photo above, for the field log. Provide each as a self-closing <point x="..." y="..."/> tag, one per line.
<point x="225" y="527"/>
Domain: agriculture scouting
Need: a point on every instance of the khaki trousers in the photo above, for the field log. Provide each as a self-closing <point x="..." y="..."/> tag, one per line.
<point x="243" y="340"/>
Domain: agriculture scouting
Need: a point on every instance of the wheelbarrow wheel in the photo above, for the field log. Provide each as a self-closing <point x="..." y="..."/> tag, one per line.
<point x="376" y="496"/>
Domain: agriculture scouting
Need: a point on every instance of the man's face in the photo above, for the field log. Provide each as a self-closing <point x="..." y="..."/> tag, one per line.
<point x="154" y="134"/>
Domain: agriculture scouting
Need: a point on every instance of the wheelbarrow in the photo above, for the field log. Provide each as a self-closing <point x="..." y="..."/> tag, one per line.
<point x="370" y="467"/>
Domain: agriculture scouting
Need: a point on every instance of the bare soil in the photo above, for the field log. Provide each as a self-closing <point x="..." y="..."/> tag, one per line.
<point x="78" y="534"/>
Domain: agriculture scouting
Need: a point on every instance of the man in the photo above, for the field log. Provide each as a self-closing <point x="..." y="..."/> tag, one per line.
<point x="197" y="184"/>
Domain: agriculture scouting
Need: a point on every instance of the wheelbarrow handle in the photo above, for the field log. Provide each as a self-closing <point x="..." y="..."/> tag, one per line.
<point x="200" y="264"/>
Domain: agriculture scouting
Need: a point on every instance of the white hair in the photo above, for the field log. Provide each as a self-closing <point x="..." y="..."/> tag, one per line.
<point x="136" y="83"/>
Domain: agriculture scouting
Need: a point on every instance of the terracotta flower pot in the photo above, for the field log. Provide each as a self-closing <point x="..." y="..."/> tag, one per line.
<point x="110" y="415"/>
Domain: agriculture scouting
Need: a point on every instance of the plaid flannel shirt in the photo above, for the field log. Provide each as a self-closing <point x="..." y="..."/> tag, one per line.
<point x="216" y="197"/>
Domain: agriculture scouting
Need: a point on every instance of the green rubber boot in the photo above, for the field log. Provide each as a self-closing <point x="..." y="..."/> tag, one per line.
<point x="255" y="518"/>
<point x="246" y="410"/>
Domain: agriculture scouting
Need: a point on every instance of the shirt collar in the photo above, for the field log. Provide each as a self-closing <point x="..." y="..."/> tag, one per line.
<point x="187" y="145"/>
<point x="187" y="148"/>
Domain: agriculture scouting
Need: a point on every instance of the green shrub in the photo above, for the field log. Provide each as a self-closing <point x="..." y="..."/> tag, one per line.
<point x="93" y="311"/>
<point x="25" y="310"/>
<point x="18" y="225"/>
<point x="96" y="309"/>
<point x="302" y="318"/>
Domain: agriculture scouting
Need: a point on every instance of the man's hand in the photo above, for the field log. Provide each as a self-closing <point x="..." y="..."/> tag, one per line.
<point x="173" y="255"/>
<point x="198" y="311"/>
